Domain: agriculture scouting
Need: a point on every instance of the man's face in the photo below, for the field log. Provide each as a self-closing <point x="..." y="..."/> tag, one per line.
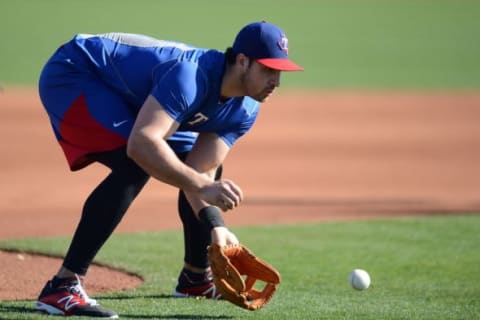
<point x="259" y="81"/>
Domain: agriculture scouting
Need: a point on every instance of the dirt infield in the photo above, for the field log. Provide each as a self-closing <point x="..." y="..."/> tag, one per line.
<point x="312" y="156"/>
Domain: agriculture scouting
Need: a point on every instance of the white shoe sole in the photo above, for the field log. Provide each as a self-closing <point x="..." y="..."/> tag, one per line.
<point x="177" y="294"/>
<point x="40" y="306"/>
<point x="43" y="307"/>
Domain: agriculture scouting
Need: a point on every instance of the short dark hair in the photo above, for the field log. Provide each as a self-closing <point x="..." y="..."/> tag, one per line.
<point x="230" y="56"/>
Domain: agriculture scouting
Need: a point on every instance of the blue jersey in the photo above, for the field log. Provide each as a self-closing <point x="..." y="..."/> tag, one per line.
<point x="185" y="80"/>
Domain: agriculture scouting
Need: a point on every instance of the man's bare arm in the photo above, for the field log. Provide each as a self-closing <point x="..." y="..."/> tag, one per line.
<point x="148" y="147"/>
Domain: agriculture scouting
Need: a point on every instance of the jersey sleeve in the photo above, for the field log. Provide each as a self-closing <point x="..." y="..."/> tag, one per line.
<point x="231" y="134"/>
<point x="179" y="87"/>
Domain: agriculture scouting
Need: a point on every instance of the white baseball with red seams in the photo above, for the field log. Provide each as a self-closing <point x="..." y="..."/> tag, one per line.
<point x="359" y="279"/>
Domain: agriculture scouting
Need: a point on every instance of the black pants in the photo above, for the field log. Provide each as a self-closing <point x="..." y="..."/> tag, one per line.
<point x="107" y="204"/>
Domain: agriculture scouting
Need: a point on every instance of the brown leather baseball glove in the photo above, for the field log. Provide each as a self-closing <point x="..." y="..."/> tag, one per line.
<point x="229" y="264"/>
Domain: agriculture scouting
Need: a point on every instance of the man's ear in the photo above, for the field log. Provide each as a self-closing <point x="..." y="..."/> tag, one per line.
<point x="243" y="61"/>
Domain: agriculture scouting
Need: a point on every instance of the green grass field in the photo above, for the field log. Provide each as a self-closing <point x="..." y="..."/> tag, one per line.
<point x="421" y="268"/>
<point x="341" y="43"/>
<point x="425" y="268"/>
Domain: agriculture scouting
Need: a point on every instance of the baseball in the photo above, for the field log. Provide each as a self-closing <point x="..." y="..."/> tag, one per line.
<point x="359" y="279"/>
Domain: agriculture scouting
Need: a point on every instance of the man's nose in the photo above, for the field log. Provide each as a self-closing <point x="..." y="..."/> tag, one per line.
<point x="275" y="80"/>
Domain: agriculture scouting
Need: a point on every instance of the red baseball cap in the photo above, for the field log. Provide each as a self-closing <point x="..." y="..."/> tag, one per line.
<point x="267" y="44"/>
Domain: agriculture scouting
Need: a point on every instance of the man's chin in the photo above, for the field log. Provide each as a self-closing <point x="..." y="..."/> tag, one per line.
<point x="260" y="99"/>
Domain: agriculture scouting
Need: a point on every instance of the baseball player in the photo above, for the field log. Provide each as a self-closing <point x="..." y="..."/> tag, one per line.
<point x="145" y="108"/>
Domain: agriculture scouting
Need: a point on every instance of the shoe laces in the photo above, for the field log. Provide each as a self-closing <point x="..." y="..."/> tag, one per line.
<point x="76" y="287"/>
<point x="209" y="275"/>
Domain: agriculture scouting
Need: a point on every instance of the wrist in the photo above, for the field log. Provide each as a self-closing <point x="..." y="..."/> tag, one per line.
<point x="199" y="183"/>
<point x="211" y="217"/>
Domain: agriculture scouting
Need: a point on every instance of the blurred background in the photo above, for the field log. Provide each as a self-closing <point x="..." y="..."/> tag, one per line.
<point x="341" y="43"/>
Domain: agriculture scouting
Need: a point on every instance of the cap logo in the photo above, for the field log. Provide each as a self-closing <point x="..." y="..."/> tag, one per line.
<point x="283" y="44"/>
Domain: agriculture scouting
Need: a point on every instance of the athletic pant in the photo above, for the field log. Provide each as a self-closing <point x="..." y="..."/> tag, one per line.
<point x="108" y="203"/>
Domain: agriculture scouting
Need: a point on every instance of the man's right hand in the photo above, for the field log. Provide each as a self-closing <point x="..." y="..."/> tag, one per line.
<point x="224" y="194"/>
